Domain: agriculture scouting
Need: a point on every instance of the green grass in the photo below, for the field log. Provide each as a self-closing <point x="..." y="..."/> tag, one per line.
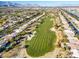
<point x="44" y="39"/>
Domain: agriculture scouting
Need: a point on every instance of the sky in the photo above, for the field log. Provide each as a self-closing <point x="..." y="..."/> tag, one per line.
<point x="52" y="3"/>
<point x="48" y="3"/>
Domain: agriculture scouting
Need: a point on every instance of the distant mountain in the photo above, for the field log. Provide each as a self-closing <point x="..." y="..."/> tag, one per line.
<point x="16" y="4"/>
<point x="9" y="4"/>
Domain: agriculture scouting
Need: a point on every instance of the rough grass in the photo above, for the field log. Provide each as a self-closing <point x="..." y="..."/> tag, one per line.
<point x="44" y="40"/>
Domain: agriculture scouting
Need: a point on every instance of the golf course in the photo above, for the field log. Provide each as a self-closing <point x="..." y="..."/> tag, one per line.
<point x="44" y="39"/>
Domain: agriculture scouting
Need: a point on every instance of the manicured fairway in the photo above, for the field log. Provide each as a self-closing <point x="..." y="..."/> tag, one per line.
<point x="44" y="39"/>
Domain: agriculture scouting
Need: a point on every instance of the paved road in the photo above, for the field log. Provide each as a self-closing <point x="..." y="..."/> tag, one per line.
<point x="73" y="20"/>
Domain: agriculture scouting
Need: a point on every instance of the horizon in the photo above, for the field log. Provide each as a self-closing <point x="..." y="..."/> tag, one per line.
<point x="48" y="3"/>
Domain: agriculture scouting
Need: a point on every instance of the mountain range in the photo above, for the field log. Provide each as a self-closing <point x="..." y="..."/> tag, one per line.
<point x="15" y="4"/>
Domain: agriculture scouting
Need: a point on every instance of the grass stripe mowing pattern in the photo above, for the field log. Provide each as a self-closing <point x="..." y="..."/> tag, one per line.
<point x="44" y="39"/>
